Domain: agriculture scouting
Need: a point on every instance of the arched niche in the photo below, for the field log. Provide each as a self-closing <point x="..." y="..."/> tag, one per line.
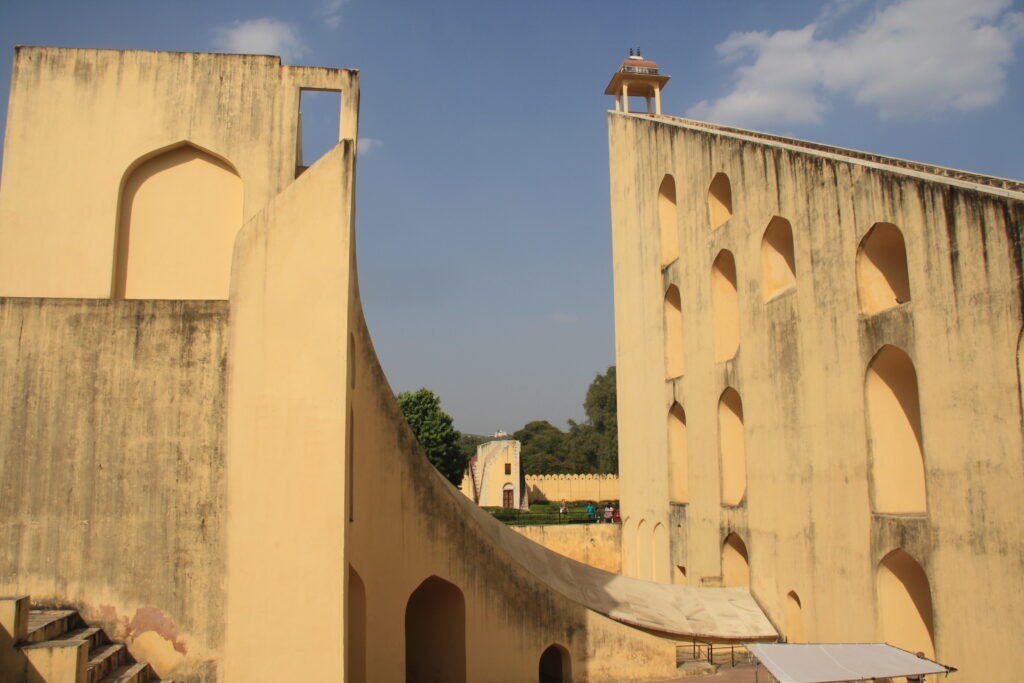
<point x="660" y="553"/>
<point x="735" y="562"/>
<point x="435" y="633"/>
<point x="725" y="308"/>
<point x="555" y="665"/>
<point x="905" y="604"/>
<point x="629" y="563"/>
<point x="778" y="266"/>
<point x="794" y="618"/>
<point x="673" y="333"/>
<point x="643" y="551"/>
<point x="356" y="626"/>
<point x="882" y="278"/>
<point x="667" y="220"/>
<point x="179" y="212"/>
<point x="677" y="455"/>
<point x="894" y="432"/>
<point x="720" y="200"/>
<point x="732" y="447"/>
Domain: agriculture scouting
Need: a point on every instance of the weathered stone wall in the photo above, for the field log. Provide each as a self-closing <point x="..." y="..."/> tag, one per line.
<point x="781" y="434"/>
<point x="81" y="122"/>
<point x="599" y="545"/>
<point x="556" y="487"/>
<point x="111" y="468"/>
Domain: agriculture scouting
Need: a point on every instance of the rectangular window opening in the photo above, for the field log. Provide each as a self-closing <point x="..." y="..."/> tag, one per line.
<point x="319" y="126"/>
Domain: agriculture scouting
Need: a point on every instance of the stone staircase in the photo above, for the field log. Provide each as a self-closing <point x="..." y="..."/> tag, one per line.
<point x="57" y="646"/>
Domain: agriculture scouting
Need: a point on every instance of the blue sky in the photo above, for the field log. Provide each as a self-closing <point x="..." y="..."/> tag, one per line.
<point x="483" y="222"/>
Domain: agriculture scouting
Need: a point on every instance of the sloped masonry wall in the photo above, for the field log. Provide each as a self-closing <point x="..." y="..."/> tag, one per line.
<point x="599" y="545"/>
<point x="556" y="487"/>
<point x="111" y="469"/>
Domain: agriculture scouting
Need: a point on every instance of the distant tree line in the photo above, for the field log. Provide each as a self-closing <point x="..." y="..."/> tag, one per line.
<point x="591" y="446"/>
<point x="587" y="447"/>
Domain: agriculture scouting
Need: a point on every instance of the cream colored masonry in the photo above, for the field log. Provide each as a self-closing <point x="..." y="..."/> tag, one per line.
<point x="819" y="385"/>
<point x="199" y="450"/>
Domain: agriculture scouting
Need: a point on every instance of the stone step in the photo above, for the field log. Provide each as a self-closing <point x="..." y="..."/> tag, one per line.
<point x="93" y="634"/>
<point x="105" y="659"/>
<point x="48" y="624"/>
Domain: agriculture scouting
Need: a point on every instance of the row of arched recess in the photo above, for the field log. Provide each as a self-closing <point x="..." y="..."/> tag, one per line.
<point x="902" y="589"/>
<point x="732" y="450"/>
<point x="435" y="636"/>
<point x="893" y="413"/>
<point x="882" y="278"/>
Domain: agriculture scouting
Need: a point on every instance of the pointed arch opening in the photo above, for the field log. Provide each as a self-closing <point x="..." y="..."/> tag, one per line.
<point x="778" y="266"/>
<point x="882" y="278"/>
<point x="905" y="604"/>
<point x="794" y="619"/>
<point x="643" y="551"/>
<point x="673" y="333"/>
<point x="629" y="564"/>
<point x="894" y="433"/>
<point x="725" y="308"/>
<point x="660" y="554"/>
<point x="732" y="447"/>
<point x="735" y="561"/>
<point x="435" y="633"/>
<point x="356" y="626"/>
<point x="678" y="456"/>
<point x="555" y="665"/>
<point x="179" y="211"/>
<point x="720" y="200"/>
<point x="668" y="220"/>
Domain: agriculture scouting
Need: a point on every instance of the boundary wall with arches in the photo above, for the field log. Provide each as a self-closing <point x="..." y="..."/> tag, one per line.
<point x="819" y="389"/>
<point x="557" y="487"/>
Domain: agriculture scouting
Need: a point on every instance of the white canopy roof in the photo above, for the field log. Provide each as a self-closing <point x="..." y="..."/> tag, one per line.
<point x="828" y="663"/>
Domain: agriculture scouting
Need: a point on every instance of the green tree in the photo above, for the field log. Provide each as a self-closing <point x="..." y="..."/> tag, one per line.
<point x="588" y="446"/>
<point x="601" y="407"/>
<point x="542" y="448"/>
<point x="593" y="445"/>
<point x="435" y="432"/>
<point x="468" y="444"/>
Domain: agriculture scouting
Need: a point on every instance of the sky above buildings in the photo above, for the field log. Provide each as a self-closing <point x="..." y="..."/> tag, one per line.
<point x="484" y="240"/>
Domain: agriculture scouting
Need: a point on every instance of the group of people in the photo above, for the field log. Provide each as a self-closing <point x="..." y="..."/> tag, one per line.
<point x="609" y="516"/>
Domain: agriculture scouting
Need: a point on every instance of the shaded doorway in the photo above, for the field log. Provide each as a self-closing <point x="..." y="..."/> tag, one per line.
<point x="555" y="665"/>
<point x="435" y="633"/>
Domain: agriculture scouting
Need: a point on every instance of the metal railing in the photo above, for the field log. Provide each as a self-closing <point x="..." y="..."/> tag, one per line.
<point x="733" y="654"/>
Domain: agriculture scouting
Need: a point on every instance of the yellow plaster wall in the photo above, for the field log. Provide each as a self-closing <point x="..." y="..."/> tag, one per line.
<point x="599" y="545"/>
<point x="800" y="371"/>
<point x="408" y="524"/>
<point x="112" y="469"/>
<point x="80" y="121"/>
<point x="286" y="430"/>
<point x="559" y="487"/>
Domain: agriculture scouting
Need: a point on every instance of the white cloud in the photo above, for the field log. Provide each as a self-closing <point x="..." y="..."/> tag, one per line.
<point x="364" y="145"/>
<point x="330" y="12"/>
<point x="909" y="59"/>
<point x="261" y="36"/>
<point x="562" y="318"/>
